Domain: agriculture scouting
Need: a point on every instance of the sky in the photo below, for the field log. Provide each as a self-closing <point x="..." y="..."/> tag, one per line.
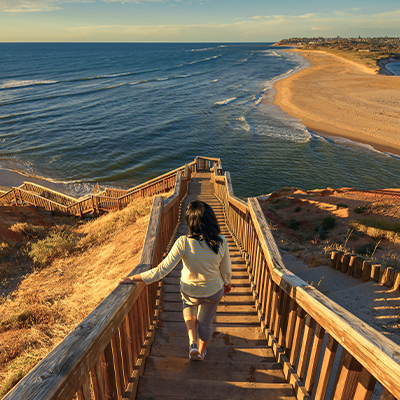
<point x="194" y="20"/>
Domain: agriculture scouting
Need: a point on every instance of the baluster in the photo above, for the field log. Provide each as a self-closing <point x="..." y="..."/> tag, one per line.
<point x="297" y="335"/>
<point x="97" y="381"/>
<point x="267" y="311"/>
<point x="346" y="377"/>
<point x="305" y="346"/>
<point x="274" y="306"/>
<point x="326" y="368"/>
<point x="84" y="391"/>
<point x="290" y="327"/>
<point x="124" y="352"/>
<point x="314" y="357"/>
<point x="107" y="361"/>
<point x="365" y="386"/>
<point x="386" y="395"/>
<point x="119" y="374"/>
<point x="283" y="324"/>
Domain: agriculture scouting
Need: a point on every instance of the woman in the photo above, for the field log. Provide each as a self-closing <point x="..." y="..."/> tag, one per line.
<point x="205" y="276"/>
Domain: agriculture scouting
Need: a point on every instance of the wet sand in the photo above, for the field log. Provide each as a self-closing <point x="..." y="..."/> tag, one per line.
<point x="336" y="97"/>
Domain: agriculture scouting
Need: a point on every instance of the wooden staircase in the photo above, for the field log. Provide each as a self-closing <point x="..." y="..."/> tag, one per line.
<point x="238" y="364"/>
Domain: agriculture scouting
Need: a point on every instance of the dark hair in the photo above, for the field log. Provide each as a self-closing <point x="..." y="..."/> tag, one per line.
<point x="203" y="224"/>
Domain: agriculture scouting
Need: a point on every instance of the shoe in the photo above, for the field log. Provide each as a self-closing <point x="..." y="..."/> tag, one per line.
<point x="194" y="354"/>
<point x="204" y="354"/>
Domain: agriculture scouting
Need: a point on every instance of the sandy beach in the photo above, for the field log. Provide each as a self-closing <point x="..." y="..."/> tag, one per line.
<point x="336" y="97"/>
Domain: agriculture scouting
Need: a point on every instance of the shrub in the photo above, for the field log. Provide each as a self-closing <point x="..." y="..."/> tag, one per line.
<point x="328" y="223"/>
<point x="293" y="224"/>
<point x="341" y="205"/>
<point x="5" y="250"/>
<point x="359" y="210"/>
<point x="29" y="230"/>
<point x="367" y="249"/>
<point x="57" y="244"/>
<point x="297" y="209"/>
<point x="381" y="224"/>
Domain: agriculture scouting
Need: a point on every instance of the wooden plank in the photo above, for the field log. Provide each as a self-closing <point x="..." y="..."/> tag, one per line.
<point x="152" y="232"/>
<point x="314" y="358"/>
<point x="97" y="381"/>
<point x="193" y="389"/>
<point x="305" y="346"/>
<point x="84" y="390"/>
<point x="347" y="377"/>
<point x="300" y="315"/>
<point x="110" y="384"/>
<point x="266" y="372"/>
<point x="365" y="386"/>
<point x="326" y="368"/>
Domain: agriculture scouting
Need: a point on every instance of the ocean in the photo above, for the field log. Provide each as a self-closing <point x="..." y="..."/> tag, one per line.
<point x="118" y="114"/>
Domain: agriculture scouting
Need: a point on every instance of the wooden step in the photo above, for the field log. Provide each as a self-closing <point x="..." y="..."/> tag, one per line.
<point x="223" y="308"/>
<point x="175" y="333"/>
<point x="215" y="352"/>
<point x="221" y="318"/>
<point x="194" y="389"/>
<point x="170" y="368"/>
<point x="239" y="297"/>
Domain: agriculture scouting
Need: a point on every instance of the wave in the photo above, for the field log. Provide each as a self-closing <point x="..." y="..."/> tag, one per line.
<point x="108" y="76"/>
<point x="341" y="141"/>
<point x="245" y="124"/>
<point x="205" y="49"/>
<point x="21" y="84"/>
<point x="9" y="116"/>
<point x="161" y="79"/>
<point x="225" y="102"/>
<point x="204" y="59"/>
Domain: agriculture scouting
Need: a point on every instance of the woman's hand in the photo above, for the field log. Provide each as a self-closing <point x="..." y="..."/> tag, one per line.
<point x="227" y="288"/>
<point x="130" y="279"/>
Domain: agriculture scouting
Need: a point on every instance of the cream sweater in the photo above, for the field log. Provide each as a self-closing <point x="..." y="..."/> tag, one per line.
<point x="204" y="273"/>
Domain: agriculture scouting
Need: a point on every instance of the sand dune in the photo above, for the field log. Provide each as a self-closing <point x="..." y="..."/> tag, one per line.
<point x="336" y="97"/>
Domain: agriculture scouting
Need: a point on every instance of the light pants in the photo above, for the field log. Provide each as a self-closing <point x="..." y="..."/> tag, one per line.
<point x="204" y="308"/>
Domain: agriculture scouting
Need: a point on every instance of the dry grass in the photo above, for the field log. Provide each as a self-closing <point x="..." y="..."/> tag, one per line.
<point x="51" y="301"/>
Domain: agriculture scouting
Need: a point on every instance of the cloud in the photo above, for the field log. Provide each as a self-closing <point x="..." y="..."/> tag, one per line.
<point x="306" y="16"/>
<point x="19" y="6"/>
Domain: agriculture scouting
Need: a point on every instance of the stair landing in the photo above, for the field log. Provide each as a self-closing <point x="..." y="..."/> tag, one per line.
<point x="238" y="364"/>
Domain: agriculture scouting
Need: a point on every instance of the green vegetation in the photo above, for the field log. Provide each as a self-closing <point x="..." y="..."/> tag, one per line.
<point x="380" y="224"/>
<point x="341" y="205"/>
<point x="57" y="244"/>
<point x="366" y="51"/>
<point x="293" y="224"/>
<point x="367" y="249"/>
<point x="359" y="210"/>
<point x="328" y="223"/>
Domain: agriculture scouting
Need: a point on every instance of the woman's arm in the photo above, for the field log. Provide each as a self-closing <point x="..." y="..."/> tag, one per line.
<point x="226" y="268"/>
<point x="131" y="279"/>
<point x="163" y="269"/>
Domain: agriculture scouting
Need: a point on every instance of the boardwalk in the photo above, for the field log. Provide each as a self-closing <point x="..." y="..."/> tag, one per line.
<point x="239" y="364"/>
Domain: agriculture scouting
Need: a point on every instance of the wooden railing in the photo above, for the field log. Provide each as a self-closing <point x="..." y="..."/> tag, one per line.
<point x="108" y="200"/>
<point x="306" y="329"/>
<point x="103" y="357"/>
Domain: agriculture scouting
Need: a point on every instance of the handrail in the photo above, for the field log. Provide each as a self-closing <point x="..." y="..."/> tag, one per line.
<point x="108" y="347"/>
<point x="296" y="317"/>
<point x="110" y="199"/>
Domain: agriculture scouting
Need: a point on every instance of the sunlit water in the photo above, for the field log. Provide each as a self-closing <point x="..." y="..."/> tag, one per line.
<point x="120" y="114"/>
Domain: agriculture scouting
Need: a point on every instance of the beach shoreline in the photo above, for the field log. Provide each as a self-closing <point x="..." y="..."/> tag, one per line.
<point x="335" y="97"/>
